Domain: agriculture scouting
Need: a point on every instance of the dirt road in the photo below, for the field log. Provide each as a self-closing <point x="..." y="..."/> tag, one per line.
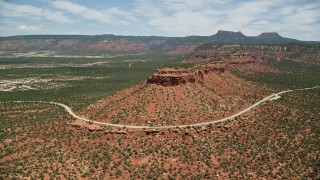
<point x="232" y="117"/>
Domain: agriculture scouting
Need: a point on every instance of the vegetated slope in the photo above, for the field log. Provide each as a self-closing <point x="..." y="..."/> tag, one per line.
<point x="181" y="96"/>
<point x="77" y="82"/>
<point x="111" y="43"/>
<point x="79" y="43"/>
<point x="309" y="54"/>
<point x="278" y="140"/>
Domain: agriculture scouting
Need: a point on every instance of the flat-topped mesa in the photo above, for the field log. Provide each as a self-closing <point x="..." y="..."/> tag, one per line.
<point x="174" y="77"/>
<point x="269" y="35"/>
<point x="173" y="71"/>
<point x="222" y="33"/>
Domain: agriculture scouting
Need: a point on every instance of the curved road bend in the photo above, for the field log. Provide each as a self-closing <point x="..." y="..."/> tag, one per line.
<point x="69" y="110"/>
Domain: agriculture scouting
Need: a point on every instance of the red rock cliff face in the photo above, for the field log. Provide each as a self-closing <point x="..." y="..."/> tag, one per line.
<point x="15" y="45"/>
<point x="50" y="44"/>
<point x="66" y="44"/>
<point x="173" y="77"/>
<point x="172" y="80"/>
<point x="121" y="45"/>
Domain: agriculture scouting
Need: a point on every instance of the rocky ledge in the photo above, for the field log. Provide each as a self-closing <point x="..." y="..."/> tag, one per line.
<point x="173" y="77"/>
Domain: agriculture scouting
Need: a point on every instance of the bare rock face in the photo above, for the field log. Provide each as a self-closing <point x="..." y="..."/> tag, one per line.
<point x="66" y="44"/>
<point x="174" y="77"/>
<point x="171" y="80"/>
<point x="209" y="69"/>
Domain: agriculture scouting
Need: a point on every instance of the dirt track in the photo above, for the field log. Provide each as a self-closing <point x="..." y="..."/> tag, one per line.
<point x="270" y="97"/>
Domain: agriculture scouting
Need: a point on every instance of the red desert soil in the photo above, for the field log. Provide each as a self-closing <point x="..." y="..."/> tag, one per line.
<point x="180" y="96"/>
<point x="249" y="148"/>
<point x="275" y="141"/>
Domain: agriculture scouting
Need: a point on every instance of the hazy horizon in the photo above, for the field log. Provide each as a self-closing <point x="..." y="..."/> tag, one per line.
<point x="171" y="18"/>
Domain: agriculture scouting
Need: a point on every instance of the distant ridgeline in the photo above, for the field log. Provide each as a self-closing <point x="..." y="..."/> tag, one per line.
<point x="306" y="53"/>
<point x="101" y="44"/>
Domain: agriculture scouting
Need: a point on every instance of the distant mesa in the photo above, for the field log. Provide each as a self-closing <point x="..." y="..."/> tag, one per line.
<point x="223" y="33"/>
<point x="229" y="32"/>
<point x="269" y="35"/>
<point x="109" y="43"/>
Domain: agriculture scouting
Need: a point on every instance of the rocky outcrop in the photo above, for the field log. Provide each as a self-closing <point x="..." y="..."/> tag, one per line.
<point x="174" y="71"/>
<point x="173" y="77"/>
<point x="116" y="132"/>
<point x="152" y="131"/>
<point x="242" y="62"/>
<point x="171" y="80"/>
<point x="209" y="69"/>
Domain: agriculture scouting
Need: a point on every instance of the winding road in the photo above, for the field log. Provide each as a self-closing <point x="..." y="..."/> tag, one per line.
<point x="270" y="97"/>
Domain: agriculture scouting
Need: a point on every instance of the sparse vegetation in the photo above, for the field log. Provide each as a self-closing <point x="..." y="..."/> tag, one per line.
<point x="179" y="65"/>
<point x="100" y="80"/>
<point x="278" y="140"/>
